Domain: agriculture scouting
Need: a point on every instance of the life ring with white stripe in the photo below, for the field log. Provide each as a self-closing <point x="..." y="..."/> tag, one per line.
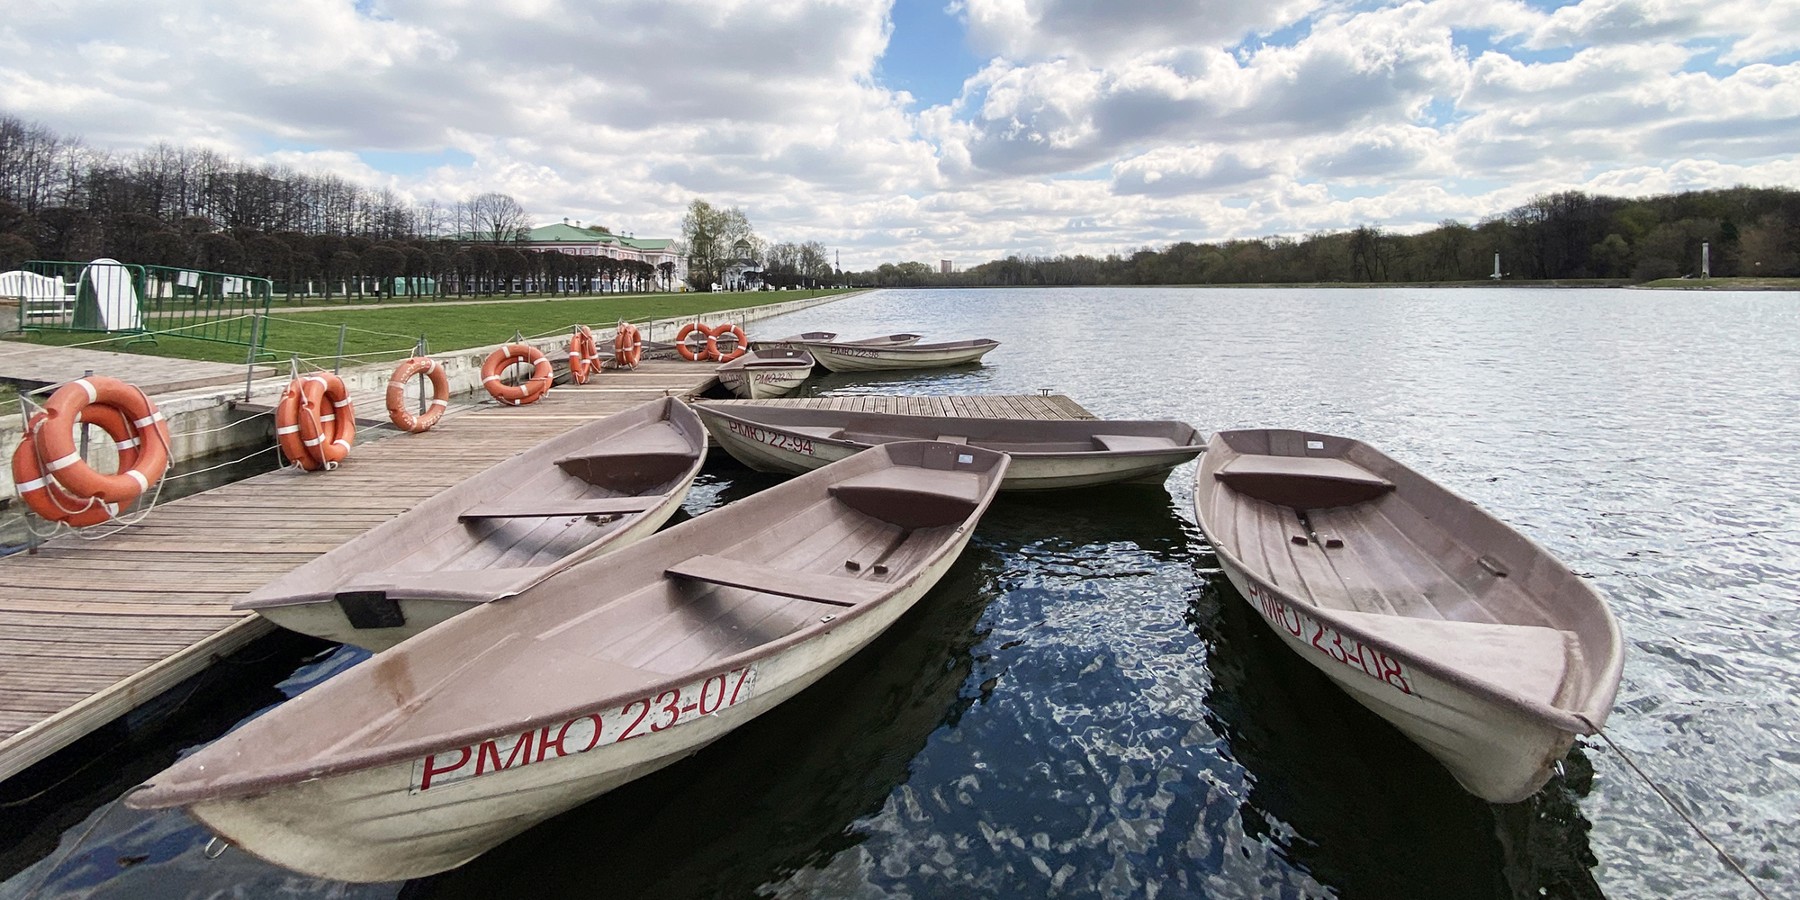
<point x="628" y="346"/>
<point x="400" y="411"/>
<point x="315" y="422"/>
<point x="83" y="400"/>
<point x="693" y="351"/>
<point x="46" y="498"/>
<point x="740" y="343"/>
<point x="287" y="428"/>
<point x="584" y="355"/>
<point x="528" y="391"/>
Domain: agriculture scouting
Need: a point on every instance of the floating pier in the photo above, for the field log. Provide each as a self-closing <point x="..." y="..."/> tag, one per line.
<point x="93" y="627"/>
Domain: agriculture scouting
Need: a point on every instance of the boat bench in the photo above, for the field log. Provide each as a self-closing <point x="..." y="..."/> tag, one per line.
<point x="633" y="470"/>
<point x="912" y="497"/>
<point x="835" y="590"/>
<point x="594" y="506"/>
<point x="1302" y="482"/>
<point x="1529" y="661"/>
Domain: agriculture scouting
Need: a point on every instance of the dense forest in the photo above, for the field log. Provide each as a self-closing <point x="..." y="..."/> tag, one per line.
<point x="317" y="232"/>
<point x="1565" y="236"/>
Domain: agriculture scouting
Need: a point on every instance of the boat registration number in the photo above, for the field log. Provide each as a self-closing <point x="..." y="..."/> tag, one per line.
<point x="643" y="717"/>
<point x="1323" y="638"/>
<point x="856" y="354"/>
<point x="774" y="439"/>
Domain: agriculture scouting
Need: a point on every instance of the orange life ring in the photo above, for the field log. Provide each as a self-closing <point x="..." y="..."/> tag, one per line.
<point x="696" y="351"/>
<point x="327" y="419"/>
<point x="628" y="347"/>
<point x="287" y="428"/>
<point x="740" y="346"/>
<point x="584" y="355"/>
<point x="71" y="405"/>
<point x="400" y="412"/>
<point x="46" y="498"/>
<point x="531" y="389"/>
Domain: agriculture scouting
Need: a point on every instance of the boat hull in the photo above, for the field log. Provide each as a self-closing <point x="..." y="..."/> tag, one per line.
<point x="770" y="450"/>
<point x="1496" y="752"/>
<point x="848" y="358"/>
<point x="764" y="383"/>
<point x="374" y="825"/>
<point x="327" y="619"/>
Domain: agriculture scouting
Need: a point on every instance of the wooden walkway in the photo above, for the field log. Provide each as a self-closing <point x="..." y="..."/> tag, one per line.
<point x="37" y="365"/>
<point x="985" y="406"/>
<point x="92" y="628"/>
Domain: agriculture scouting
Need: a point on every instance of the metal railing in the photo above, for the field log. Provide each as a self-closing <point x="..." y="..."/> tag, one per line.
<point x="123" y="298"/>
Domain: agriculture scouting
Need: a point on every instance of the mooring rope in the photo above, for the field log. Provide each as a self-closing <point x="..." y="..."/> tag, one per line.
<point x="1723" y="853"/>
<point x="64" y="858"/>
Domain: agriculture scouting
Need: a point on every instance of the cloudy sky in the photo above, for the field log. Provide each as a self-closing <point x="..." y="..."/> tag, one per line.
<point x="928" y="129"/>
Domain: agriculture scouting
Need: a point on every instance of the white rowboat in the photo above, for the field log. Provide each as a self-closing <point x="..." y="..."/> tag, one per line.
<point x="764" y="374"/>
<point x="432" y="752"/>
<point x="1046" y="453"/>
<point x="877" y="358"/>
<point x="1475" y="642"/>
<point x="597" y="488"/>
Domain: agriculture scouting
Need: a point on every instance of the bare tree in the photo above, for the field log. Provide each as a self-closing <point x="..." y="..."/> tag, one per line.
<point x="496" y="218"/>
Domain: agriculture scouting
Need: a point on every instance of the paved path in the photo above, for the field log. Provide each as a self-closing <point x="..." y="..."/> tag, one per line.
<point x="37" y="365"/>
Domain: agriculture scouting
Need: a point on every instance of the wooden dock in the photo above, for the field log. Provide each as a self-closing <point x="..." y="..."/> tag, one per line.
<point x="90" y="629"/>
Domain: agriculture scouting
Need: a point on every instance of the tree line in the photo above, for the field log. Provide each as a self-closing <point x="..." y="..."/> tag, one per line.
<point x="310" y="232"/>
<point x="717" y="240"/>
<point x="1564" y="236"/>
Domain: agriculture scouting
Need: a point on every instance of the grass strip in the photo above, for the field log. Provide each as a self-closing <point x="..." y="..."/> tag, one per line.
<point x="388" y="333"/>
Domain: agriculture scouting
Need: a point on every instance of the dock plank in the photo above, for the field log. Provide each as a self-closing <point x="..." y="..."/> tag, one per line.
<point x="90" y="629"/>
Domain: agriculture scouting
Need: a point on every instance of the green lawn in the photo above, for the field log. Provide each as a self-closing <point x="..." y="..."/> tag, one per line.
<point x="1726" y="284"/>
<point x="386" y="333"/>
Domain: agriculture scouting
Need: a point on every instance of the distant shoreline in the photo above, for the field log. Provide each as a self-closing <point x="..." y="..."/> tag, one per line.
<point x="1667" y="284"/>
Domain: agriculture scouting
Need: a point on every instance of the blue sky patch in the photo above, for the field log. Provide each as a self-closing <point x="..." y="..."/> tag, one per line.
<point x="928" y="55"/>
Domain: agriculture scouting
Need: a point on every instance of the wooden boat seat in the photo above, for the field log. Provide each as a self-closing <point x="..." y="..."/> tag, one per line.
<point x="1303" y="482"/>
<point x="593" y="506"/>
<point x="1526" y="660"/>
<point x="835" y="590"/>
<point x="912" y="497"/>
<point x="635" y="460"/>
<point x="1125" y="442"/>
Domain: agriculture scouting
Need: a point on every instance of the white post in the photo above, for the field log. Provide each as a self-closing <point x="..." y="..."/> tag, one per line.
<point x="1705" y="259"/>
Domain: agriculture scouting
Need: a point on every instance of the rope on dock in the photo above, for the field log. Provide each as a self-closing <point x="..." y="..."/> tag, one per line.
<point x="1721" y="851"/>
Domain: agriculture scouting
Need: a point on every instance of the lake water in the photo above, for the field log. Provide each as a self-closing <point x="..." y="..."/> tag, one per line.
<point x="1084" y="707"/>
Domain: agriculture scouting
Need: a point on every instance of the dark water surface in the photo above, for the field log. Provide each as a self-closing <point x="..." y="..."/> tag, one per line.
<point x="1084" y="707"/>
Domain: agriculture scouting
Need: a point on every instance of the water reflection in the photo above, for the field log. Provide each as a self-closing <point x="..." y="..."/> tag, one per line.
<point x="775" y="796"/>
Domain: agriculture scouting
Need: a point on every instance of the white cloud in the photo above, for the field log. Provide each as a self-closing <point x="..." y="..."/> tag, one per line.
<point x="1094" y="127"/>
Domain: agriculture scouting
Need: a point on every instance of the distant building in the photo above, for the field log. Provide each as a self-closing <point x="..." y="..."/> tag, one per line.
<point x="591" y="241"/>
<point x="946" y="267"/>
<point x="577" y="240"/>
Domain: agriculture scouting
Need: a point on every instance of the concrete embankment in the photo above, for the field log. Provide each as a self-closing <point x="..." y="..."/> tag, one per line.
<point x="213" y="420"/>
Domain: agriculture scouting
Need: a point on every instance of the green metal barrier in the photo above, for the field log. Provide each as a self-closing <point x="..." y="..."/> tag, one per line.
<point x="122" y="298"/>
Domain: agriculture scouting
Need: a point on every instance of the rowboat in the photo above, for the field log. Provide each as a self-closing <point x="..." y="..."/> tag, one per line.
<point x="761" y="374"/>
<point x="1046" y="453"/>
<point x="796" y="341"/>
<point x="436" y="750"/>
<point x="595" y="489"/>
<point x="879" y="358"/>
<point x="1475" y="642"/>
